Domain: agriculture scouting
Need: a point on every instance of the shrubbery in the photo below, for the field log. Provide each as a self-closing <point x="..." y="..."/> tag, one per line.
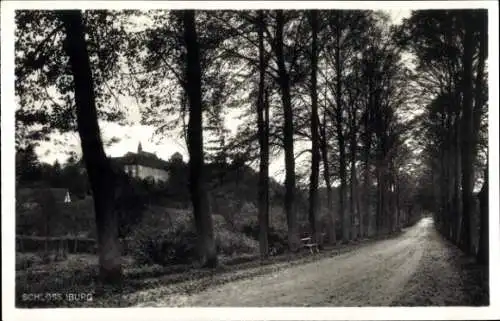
<point x="246" y="222"/>
<point x="130" y="203"/>
<point x="164" y="239"/>
<point x="230" y="243"/>
<point x="277" y="239"/>
<point x="170" y="238"/>
<point x="247" y="215"/>
<point x="26" y="260"/>
<point x="164" y="247"/>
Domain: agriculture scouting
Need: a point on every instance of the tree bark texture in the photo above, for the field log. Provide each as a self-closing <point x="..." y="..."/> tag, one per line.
<point x="467" y="144"/>
<point x="98" y="166"/>
<point x="263" y="130"/>
<point x="199" y="198"/>
<point x="284" y="84"/>
<point x="313" y="187"/>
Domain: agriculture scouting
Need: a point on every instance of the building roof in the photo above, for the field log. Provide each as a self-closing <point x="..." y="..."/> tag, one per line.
<point x="144" y="159"/>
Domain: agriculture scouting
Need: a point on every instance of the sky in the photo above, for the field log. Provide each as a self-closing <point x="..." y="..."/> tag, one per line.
<point x="131" y="135"/>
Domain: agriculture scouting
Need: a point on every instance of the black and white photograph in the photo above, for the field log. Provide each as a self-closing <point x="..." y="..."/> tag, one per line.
<point x="250" y="155"/>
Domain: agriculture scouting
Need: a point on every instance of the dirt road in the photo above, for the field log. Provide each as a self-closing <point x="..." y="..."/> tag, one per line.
<point x="417" y="268"/>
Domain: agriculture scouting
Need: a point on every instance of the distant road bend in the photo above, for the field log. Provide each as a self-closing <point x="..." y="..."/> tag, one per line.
<point x="416" y="268"/>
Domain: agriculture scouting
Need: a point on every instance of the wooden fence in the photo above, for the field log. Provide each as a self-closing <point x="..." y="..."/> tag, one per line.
<point x="65" y="244"/>
<point x="26" y="243"/>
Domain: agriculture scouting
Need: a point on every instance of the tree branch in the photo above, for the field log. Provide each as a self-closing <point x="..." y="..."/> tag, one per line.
<point x="32" y="59"/>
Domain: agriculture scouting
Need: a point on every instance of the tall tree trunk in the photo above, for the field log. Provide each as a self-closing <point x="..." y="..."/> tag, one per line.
<point x="313" y="187"/>
<point x="344" y="222"/>
<point x="356" y="228"/>
<point x="480" y="99"/>
<point x="366" y="198"/>
<point x="483" y="251"/>
<point x="356" y="222"/>
<point x="263" y="129"/>
<point x="284" y="83"/>
<point x="332" y="234"/>
<point x="101" y="176"/>
<point x="202" y="216"/>
<point x="443" y="177"/>
<point x="457" y="222"/>
<point x="367" y="137"/>
<point x="393" y="202"/>
<point x="450" y="178"/>
<point x="358" y="210"/>
<point x="381" y="197"/>
<point x="467" y="136"/>
<point x="398" y="204"/>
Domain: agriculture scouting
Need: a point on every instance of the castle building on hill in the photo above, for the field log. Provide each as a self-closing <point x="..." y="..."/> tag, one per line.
<point x="144" y="165"/>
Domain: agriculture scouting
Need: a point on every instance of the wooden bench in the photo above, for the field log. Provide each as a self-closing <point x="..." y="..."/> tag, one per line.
<point x="307" y="243"/>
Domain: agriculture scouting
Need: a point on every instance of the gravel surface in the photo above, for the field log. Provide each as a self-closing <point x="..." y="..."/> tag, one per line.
<point x="416" y="268"/>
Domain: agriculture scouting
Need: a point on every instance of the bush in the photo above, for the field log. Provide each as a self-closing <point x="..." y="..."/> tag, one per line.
<point x="160" y="244"/>
<point x="27" y="260"/>
<point x="52" y="257"/>
<point x="164" y="247"/>
<point x="277" y="239"/>
<point x="219" y="223"/>
<point x="230" y="243"/>
<point x="277" y="219"/>
<point x="246" y="216"/>
<point x="246" y="222"/>
<point x="170" y="238"/>
<point x="131" y="198"/>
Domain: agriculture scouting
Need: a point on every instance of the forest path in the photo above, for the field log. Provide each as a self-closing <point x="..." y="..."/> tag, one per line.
<point x="416" y="268"/>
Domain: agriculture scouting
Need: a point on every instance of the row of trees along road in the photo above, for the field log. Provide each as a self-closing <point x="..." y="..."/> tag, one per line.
<point x="333" y="81"/>
<point x="451" y="47"/>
